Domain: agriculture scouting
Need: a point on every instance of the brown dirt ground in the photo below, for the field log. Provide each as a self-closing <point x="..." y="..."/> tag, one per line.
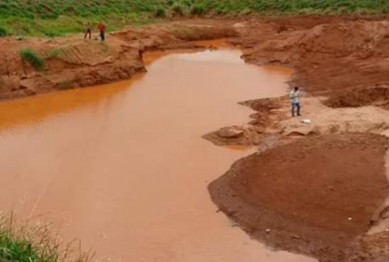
<point x="73" y="62"/>
<point x="311" y="179"/>
<point x="255" y="133"/>
<point x="333" y="55"/>
<point x="315" y="195"/>
<point x="378" y="96"/>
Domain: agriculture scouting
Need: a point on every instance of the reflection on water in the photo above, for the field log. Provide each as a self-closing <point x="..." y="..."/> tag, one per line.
<point x="123" y="167"/>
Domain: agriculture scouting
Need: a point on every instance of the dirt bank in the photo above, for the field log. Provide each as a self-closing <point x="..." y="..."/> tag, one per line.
<point x="73" y="62"/>
<point x="313" y="196"/>
<point x="329" y="56"/>
<point x="317" y="47"/>
<point x="312" y="189"/>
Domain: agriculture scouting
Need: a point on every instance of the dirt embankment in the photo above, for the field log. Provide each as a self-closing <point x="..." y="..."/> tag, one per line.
<point x="330" y="56"/>
<point x="343" y="59"/>
<point x="74" y="62"/>
<point x="315" y="188"/>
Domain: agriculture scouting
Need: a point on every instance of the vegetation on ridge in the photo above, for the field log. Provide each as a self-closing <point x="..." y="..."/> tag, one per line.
<point x="58" y="17"/>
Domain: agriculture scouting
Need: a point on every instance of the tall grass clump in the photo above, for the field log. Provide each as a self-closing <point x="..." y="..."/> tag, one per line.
<point x="3" y="32"/>
<point x="160" y="12"/>
<point x="36" y="244"/>
<point x="53" y="53"/>
<point x="178" y="9"/>
<point x="29" y="55"/>
<point x="198" y="9"/>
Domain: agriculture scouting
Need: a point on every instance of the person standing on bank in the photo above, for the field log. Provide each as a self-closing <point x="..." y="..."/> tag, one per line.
<point x="88" y="30"/>
<point x="295" y="101"/>
<point x="101" y="27"/>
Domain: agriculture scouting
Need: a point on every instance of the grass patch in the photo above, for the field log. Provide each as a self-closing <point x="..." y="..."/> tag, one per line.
<point x="53" y="53"/>
<point x="3" y="32"/>
<point x="178" y="9"/>
<point x="160" y="12"/>
<point x="198" y="9"/>
<point x="54" y="18"/>
<point x="24" y="244"/>
<point x="29" y="55"/>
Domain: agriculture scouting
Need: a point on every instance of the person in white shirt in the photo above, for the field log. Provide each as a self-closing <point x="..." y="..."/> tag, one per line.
<point x="295" y="101"/>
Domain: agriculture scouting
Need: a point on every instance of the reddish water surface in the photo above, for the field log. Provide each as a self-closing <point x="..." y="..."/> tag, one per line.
<point x="123" y="167"/>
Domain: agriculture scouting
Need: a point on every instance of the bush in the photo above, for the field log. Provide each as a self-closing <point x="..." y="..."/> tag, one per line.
<point x="3" y="32"/>
<point x="28" y="55"/>
<point x="197" y="9"/>
<point x="178" y="9"/>
<point x="33" y="244"/>
<point x="55" y="52"/>
<point x="160" y="12"/>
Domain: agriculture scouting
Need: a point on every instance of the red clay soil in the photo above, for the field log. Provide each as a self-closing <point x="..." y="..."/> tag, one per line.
<point x="328" y="53"/>
<point x="265" y="117"/>
<point x="333" y="55"/>
<point x="314" y="196"/>
<point x="74" y="62"/>
<point x="303" y="192"/>
<point x="378" y="96"/>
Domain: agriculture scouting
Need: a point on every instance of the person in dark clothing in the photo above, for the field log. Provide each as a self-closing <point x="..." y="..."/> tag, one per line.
<point x="88" y="30"/>
<point x="102" y="31"/>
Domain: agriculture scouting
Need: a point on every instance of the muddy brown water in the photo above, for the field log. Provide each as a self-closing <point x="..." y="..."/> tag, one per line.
<point x="123" y="167"/>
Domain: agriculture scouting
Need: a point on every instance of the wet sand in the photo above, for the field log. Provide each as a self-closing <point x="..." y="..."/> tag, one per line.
<point x="124" y="169"/>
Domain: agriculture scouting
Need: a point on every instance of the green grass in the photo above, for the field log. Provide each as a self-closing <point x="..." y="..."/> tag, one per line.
<point x="3" y="32"/>
<point x="22" y="244"/>
<point x="53" y="53"/>
<point x="53" y="18"/>
<point x="29" y="55"/>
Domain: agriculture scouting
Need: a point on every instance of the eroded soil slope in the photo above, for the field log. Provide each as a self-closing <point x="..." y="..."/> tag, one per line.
<point x="314" y="188"/>
<point x="330" y="56"/>
<point x="74" y="62"/>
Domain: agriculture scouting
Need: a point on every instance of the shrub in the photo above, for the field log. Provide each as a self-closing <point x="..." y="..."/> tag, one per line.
<point x="28" y="55"/>
<point x="178" y="9"/>
<point x="3" y="32"/>
<point x="160" y="12"/>
<point x="55" y="52"/>
<point x="34" y="244"/>
<point x="197" y="9"/>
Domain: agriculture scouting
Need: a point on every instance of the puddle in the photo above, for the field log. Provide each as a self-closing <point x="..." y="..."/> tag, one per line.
<point x="124" y="168"/>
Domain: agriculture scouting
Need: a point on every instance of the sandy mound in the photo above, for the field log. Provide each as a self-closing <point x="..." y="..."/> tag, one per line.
<point x="313" y="196"/>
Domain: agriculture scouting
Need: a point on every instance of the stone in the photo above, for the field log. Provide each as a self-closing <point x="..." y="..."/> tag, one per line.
<point x="230" y="132"/>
